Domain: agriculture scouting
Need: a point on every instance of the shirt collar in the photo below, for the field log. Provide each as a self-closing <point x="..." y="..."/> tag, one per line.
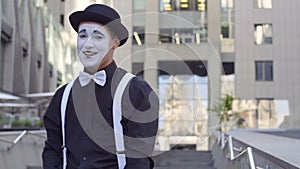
<point x="110" y="70"/>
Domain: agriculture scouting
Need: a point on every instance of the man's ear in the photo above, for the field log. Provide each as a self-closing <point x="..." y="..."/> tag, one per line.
<point x="116" y="43"/>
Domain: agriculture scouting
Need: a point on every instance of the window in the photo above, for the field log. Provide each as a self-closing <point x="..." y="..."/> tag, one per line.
<point x="183" y="35"/>
<point x="39" y="60"/>
<point x="201" y="35"/>
<point x="6" y="32"/>
<point x="265" y="114"/>
<point x="183" y="99"/>
<point x="59" y="78"/>
<point x="227" y="79"/>
<point x="165" y="36"/>
<point x="139" y="5"/>
<point x="182" y="5"/>
<point x="4" y="7"/>
<point x="266" y="4"/>
<point x="24" y="45"/>
<point x="166" y="5"/>
<point x="50" y="70"/>
<point x="62" y="18"/>
<point x="200" y="5"/>
<point x="264" y="70"/>
<point x="3" y="46"/>
<point x="138" y="35"/>
<point x="263" y="34"/>
<point x="227" y="18"/>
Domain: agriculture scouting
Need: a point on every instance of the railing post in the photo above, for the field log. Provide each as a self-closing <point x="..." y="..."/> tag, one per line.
<point x="251" y="159"/>
<point x="248" y="150"/>
<point x="218" y="137"/>
<point x="222" y="140"/>
<point x="230" y="148"/>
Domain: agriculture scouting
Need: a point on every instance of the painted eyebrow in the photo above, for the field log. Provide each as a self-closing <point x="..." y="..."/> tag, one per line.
<point x="98" y="32"/>
<point x="83" y="30"/>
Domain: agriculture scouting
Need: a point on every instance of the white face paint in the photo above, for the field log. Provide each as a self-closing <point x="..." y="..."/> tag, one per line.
<point x="93" y="43"/>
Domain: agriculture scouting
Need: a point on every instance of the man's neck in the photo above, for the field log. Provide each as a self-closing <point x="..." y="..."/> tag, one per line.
<point x="105" y="64"/>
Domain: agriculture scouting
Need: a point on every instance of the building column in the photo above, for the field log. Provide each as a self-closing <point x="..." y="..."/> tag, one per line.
<point x="123" y="55"/>
<point x="151" y="70"/>
<point x="12" y="77"/>
<point x="214" y="61"/>
<point x="151" y="39"/>
<point x="1" y="57"/>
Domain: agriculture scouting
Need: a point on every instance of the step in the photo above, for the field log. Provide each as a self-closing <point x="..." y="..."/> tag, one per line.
<point x="183" y="159"/>
<point x="185" y="153"/>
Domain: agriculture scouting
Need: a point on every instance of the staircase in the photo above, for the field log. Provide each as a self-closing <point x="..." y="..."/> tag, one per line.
<point x="184" y="159"/>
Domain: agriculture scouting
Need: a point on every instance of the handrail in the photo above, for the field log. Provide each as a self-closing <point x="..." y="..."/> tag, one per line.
<point x="20" y="136"/>
<point x="16" y="140"/>
<point x="228" y="141"/>
<point x="247" y="151"/>
<point x="240" y="155"/>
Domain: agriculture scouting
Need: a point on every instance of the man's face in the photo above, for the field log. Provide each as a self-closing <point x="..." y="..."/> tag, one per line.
<point x="93" y="43"/>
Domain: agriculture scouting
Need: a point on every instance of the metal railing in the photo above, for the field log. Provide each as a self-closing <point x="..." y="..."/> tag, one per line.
<point x="20" y="136"/>
<point x="224" y="141"/>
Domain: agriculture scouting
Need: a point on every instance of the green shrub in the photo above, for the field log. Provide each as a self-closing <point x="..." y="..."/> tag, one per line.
<point x="39" y="123"/>
<point x="21" y="123"/>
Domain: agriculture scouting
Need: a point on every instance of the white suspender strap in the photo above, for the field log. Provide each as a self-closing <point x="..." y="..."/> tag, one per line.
<point x="63" y="107"/>
<point x="117" y="117"/>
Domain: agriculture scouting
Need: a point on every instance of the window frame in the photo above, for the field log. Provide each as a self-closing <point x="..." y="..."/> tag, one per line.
<point x="263" y="75"/>
<point x="140" y="30"/>
<point x="168" y="35"/>
<point x="265" y="39"/>
<point x="259" y="4"/>
<point x="176" y="5"/>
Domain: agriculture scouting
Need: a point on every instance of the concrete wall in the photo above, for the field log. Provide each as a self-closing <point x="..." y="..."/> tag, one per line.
<point x="24" y="154"/>
<point x="284" y="52"/>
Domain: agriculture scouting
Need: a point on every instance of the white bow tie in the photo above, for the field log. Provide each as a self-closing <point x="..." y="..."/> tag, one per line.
<point x="98" y="77"/>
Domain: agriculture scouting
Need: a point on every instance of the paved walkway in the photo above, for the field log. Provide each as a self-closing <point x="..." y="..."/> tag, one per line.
<point x="284" y="148"/>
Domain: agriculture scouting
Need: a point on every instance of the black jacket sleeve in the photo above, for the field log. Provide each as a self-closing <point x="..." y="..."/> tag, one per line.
<point x="52" y="153"/>
<point x="141" y="124"/>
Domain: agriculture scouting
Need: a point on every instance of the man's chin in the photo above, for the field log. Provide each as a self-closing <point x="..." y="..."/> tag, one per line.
<point x="91" y="69"/>
<point x="90" y="64"/>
